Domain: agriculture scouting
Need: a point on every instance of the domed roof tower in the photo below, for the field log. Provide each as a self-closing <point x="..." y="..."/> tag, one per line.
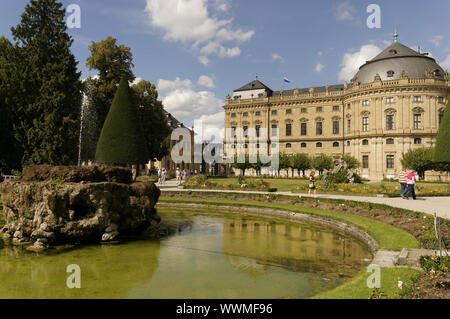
<point x="398" y="59"/>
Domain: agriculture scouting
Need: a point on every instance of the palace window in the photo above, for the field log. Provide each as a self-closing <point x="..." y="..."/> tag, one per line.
<point x="390" y="161"/>
<point x="336" y="108"/>
<point x="437" y="72"/>
<point x="365" y="103"/>
<point x="288" y="145"/>
<point x="257" y="145"/>
<point x="288" y="111"/>
<point x="417" y="141"/>
<point x="319" y="144"/>
<point x="245" y="114"/>
<point x="319" y="109"/>
<point x="390" y="141"/>
<point x="365" y="142"/>
<point x="417" y="121"/>
<point x="349" y="126"/>
<point x="288" y="129"/>
<point x="233" y="131"/>
<point x="274" y="112"/>
<point x="303" y="110"/>
<point x="233" y="114"/>
<point x="319" y="128"/>
<point x="258" y="128"/>
<point x="336" y="127"/>
<point x="389" y="122"/>
<point x="260" y="95"/>
<point x="365" y="124"/>
<point x="417" y="98"/>
<point x="390" y="73"/>
<point x="336" y="144"/>
<point x="348" y="143"/>
<point x="349" y="106"/>
<point x="258" y="113"/>
<point x="303" y="129"/>
<point x="365" y="161"/>
<point x="441" y="99"/>
<point x="389" y="100"/>
<point x="245" y="131"/>
<point x="237" y="97"/>
<point x="274" y="130"/>
<point x="303" y="145"/>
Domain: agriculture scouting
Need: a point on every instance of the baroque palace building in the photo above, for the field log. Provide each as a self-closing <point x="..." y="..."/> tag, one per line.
<point x="394" y="103"/>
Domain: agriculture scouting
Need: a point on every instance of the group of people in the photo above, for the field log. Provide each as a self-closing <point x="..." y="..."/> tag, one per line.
<point x="181" y="175"/>
<point x="407" y="182"/>
<point x="162" y="173"/>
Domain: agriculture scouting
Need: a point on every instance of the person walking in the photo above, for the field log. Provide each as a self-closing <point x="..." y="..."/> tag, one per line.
<point x="411" y="183"/>
<point x="159" y="176"/>
<point x="402" y="180"/>
<point x="178" y="175"/>
<point x="312" y="183"/>
<point x="185" y="173"/>
<point x="134" y="172"/>
<point x="163" y="176"/>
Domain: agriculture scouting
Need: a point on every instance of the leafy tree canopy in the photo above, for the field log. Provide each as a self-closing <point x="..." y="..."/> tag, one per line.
<point x="442" y="148"/>
<point x="419" y="160"/>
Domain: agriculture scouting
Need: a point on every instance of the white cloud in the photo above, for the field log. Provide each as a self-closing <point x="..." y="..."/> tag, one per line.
<point x="436" y="40"/>
<point x="277" y="57"/>
<point x="352" y="61"/>
<point x="213" y="126"/>
<point x="182" y="101"/>
<point x="167" y="85"/>
<point x="136" y="81"/>
<point x="189" y="21"/>
<point x="446" y="63"/>
<point x="206" y="81"/>
<point x="319" y="67"/>
<point x="345" y="11"/>
<point x="203" y="60"/>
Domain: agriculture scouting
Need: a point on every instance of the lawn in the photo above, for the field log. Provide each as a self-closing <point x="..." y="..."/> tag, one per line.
<point x="299" y="185"/>
<point x="357" y="288"/>
<point x="387" y="236"/>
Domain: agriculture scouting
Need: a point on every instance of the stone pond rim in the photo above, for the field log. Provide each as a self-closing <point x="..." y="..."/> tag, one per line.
<point x="54" y="205"/>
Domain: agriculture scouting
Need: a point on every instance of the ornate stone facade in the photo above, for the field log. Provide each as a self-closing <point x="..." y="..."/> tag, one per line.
<point x="373" y="121"/>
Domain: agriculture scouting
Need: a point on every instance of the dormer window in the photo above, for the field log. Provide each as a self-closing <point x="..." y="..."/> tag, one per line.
<point x="437" y="72"/>
<point x="390" y="73"/>
<point x="393" y="51"/>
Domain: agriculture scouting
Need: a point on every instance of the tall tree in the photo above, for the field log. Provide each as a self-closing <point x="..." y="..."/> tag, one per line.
<point x="111" y="61"/>
<point x="442" y="149"/>
<point x="153" y="119"/>
<point x="121" y="141"/>
<point x="351" y="161"/>
<point x="47" y="85"/>
<point x="10" y="151"/>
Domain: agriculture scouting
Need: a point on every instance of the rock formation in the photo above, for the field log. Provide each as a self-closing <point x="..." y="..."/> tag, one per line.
<point x="58" y="205"/>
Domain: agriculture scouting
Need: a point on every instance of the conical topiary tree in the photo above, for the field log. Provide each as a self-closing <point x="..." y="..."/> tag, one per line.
<point x="442" y="149"/>
<point x="121" y="140"/>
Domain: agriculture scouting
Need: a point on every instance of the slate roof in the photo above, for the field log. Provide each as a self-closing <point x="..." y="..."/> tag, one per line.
<point x="254" y="85"/>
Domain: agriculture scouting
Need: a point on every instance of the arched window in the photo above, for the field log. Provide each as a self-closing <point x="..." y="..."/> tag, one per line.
<point x="390" y="141"/>
<point x="288" y="145"/>
<point x="319" y="144"/>
<point x="303" y="145"/>
<point x="348" y="143"/>
<point x="390" y="73"/>
<point x="365" y="142"/>
<point x="336" y="144"/>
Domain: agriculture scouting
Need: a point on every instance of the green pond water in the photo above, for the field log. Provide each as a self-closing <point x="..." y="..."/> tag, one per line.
<point x="215" y="255"/>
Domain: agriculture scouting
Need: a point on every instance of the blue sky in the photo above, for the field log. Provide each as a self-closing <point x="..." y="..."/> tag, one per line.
<point x="198" y="51"/>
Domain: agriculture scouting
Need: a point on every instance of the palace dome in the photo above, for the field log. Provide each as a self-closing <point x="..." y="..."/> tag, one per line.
<point x="396" y="59"/>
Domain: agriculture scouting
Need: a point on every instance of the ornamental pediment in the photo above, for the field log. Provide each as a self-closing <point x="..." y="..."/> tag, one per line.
<point x="390" y="111"/>
<point x="418" y="110"/>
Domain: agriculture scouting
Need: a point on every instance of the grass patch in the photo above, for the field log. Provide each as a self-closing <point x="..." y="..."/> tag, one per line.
<point x="300" y="185"/>
<point x="357" y="288"/>
<point x="387" y="236"/>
